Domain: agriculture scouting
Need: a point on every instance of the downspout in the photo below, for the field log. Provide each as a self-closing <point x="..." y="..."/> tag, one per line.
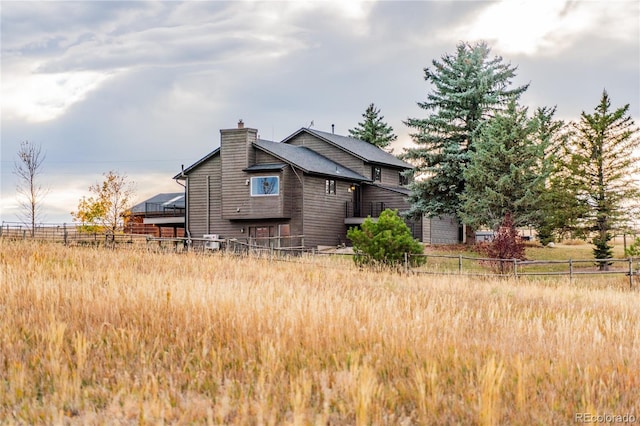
<point x="208" y="204"/>
<point x="186" y="201"/>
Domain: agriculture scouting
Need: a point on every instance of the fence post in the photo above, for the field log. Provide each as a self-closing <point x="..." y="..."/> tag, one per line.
<point x="64" y="233"/>
<point x="459" y="264"/>
<point x="406" y="262"/>
<point x="630" y="272"/>
<point x="515" y="267"/>
<point x="570" y="271"/>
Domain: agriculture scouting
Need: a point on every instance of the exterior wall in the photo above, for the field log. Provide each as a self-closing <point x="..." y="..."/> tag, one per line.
<point x="324" y="213"/>
<point x="201" y="205"/>
<point x="390" y="176"/>
<point x="205" y="192"/>
<point x="373" y="195"/>
<point x="331" y="152"/>
<point x="237" y="153"/>
<point x="440" y="230"/>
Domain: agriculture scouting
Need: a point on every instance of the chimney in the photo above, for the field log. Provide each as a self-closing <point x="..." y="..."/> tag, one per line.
<point x="240" y="124"/>
<point x="333" y="128"/>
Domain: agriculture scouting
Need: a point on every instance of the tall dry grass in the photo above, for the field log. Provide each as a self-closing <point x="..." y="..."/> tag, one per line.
<point x="92" y="336"/>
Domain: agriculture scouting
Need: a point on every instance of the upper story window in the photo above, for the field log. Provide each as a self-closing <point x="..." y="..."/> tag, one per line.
<point x="402" y="179"/>
<point x="376" y="173"/>
<point x="263" y="186"/>
<point x="330" y="186"/>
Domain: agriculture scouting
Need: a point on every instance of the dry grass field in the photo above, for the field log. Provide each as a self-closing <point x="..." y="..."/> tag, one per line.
<point x="93" y="336"/>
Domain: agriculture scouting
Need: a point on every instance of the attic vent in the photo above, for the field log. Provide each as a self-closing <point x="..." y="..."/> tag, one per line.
<point x="240" y="124"/>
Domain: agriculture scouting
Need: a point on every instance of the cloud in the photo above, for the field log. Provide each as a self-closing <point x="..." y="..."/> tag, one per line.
<point x="549" y="27"/>
<point x="143" y="87"/>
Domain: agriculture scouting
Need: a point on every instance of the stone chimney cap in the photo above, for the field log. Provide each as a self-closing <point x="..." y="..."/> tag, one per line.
<point x="241" y="124"/>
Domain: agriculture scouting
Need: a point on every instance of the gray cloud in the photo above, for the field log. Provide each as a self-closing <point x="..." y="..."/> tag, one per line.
<point x="169" y="75"/>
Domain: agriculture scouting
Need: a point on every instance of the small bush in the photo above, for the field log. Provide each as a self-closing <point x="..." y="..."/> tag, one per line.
<point x="506" y="244"/>
<point x="634" y="249"/>
<point x="385" y="241"/>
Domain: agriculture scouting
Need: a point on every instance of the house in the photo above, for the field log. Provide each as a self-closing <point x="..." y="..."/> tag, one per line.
<point x="306" y="190"/>
<point x="161" y="216"/>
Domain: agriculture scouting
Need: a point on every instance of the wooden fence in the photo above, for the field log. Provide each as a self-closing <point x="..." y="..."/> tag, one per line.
<point x="69" y="234"/>
<point x="280" y="247"/>
<point x="477" y="266"/>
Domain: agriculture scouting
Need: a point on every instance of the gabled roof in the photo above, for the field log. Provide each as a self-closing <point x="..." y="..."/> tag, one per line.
<point x="358" y="148"/>
<point x="307" y="160"/>
<point x="164" y="200"/>
<point x="196" y="164"/>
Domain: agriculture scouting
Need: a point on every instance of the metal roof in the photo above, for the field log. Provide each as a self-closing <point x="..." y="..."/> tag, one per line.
<point x="166" y="200"/>
<point x="308" y="160"/>
<point x="359" y="148"/>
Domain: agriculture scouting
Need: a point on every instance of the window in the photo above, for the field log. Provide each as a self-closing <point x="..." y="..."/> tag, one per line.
<point x="376" y="173"/>
<point x="265" y="186"/>
<point x="402" y="179"/>
<point x="330" y="186"/>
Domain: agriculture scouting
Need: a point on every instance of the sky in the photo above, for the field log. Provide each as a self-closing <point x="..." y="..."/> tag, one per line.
<point x="143" y="88"/>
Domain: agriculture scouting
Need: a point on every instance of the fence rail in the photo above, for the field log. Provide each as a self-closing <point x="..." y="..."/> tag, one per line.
<point x="477" y="266"/>
<point x="68" y="234"/>
<point x="279" y="247"/>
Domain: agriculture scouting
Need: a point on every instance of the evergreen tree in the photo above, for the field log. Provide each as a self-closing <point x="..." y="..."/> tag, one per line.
<point x="602" y="167"/>
<point x="561" y="208"/>
<point x="507" y="169"/>
<point x="385" y="241"/>
<point x="468" y="88"/>
<point x="373" y="129"/>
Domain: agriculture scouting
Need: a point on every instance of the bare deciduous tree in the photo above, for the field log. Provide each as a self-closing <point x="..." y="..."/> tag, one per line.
<point x="30" y="192"/>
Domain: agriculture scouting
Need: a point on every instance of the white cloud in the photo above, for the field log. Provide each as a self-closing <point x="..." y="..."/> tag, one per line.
<point x="548" y="27"/>
<point x="39" y="97"/>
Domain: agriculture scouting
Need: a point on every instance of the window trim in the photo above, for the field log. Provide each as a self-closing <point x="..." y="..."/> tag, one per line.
<point x="254" y="180"/>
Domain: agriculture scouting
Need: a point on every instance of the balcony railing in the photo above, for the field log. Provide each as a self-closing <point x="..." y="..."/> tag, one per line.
<point x="372" y="209"/>
<point x="160" y="209"/>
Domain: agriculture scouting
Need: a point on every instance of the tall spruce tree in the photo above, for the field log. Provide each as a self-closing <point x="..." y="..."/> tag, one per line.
<point x="373" y="129"/>
<point x="468" y="88"/>
<point x="561" y="209"/>
<point x="603" y="169"/>
<point x="507" y="169"/>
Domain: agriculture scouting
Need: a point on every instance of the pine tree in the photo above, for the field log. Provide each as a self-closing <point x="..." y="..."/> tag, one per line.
<point x="468" y="88"/>
<point x="602" y="168"/>
<point x="373" y="129"/>
<point x="561" y="208"/>
<point x="507" y="169"/>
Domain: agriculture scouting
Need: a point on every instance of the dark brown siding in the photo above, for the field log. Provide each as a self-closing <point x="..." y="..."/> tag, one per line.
<point x="390" y="176"/>
<point x="199" y="204"/>
<point x="372" y="196"/>
<point x="237" y="153"/>
<point x="324" y="213"/>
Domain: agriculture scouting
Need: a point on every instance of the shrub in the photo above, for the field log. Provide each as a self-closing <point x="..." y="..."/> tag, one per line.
<point x="385" y="241"/>
<point x="506" y="244"/>
<point x="634" y="249"/>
